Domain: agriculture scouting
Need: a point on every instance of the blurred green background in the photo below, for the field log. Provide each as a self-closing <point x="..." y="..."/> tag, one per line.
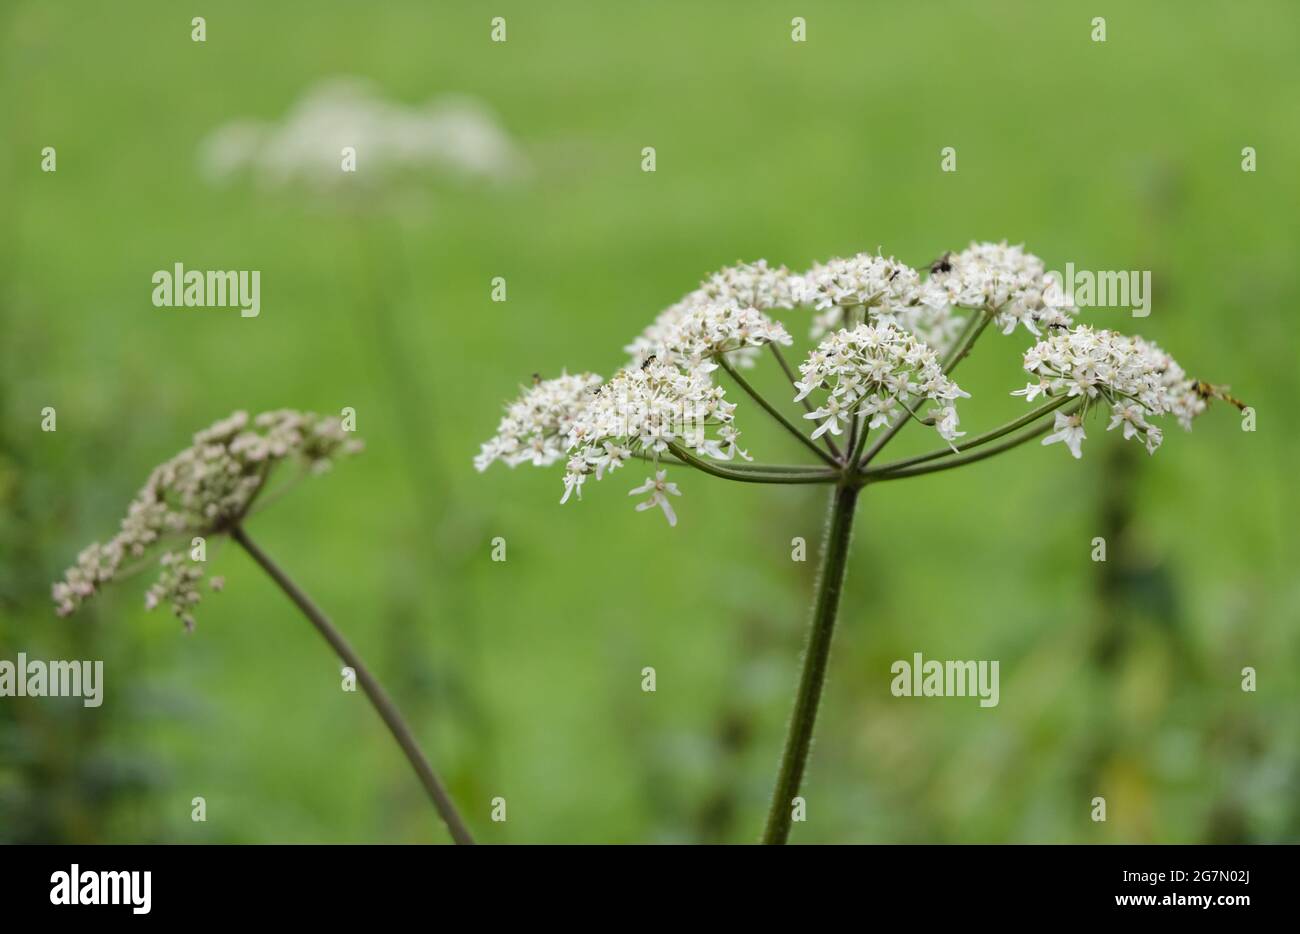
<point x="522" y="677"/>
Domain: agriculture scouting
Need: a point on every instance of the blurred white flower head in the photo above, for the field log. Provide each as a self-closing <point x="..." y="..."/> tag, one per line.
<point x="452" y="137"/>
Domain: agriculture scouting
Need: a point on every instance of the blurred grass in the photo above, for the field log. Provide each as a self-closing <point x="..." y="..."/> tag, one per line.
<point x="523" y="676"/>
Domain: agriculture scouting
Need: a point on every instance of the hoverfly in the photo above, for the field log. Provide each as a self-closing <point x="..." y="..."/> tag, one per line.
<point x="1208" y="391"/>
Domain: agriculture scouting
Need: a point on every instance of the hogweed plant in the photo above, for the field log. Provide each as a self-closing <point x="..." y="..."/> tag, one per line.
<point x="209" y="491"/>
<point x="890" y="340"/>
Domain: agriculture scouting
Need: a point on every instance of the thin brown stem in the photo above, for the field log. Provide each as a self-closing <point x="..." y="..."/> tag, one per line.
<point x="383" y="704"/>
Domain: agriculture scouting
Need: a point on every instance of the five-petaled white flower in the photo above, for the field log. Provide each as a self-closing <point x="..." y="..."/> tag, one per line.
<point x="657" y="488"/>
<point x="1069" y="428"/>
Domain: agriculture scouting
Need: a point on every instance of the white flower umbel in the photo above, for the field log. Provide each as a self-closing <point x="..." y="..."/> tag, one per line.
<point x="1004" y="281"/>
<point x="885" y="291"/>
<point x="724" y="315"/>
<point x="866" y="280"/>
<point x="1137" y="379"/>
<point x="536" y="426"/>
<point x="203" y="491"/>
<point x="753" y="285"/>
<point x="693" y="336"/>
<point x="873" y="371"/>
<point x="643" y="410"/>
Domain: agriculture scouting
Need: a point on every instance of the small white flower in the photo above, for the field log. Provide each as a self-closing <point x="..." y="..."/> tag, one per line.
<point x="946" y="424"/>
<point x="657" y="488"/>
<point x="1033" y="390"/>
<point x="575" y="475"/>
<point x="833" y="413"/>
<point x="727" y="435"/>
<point x="1069" y="428"/>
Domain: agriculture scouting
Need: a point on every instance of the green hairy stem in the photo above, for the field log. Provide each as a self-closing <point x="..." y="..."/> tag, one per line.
<point x="830" y="584"/>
